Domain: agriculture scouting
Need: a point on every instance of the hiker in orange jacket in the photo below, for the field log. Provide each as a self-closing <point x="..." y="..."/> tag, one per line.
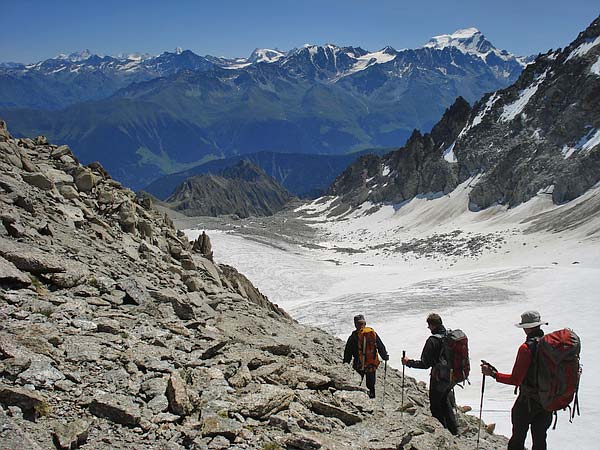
<point x="363" y="364"/>
<point x="527" y="410"/>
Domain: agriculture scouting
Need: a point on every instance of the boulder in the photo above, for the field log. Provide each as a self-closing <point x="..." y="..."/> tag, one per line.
<point x="4" y="135"/>
<point x="39" y="180"/>
<point x="268" y="400"/>
<point x="135" y="294"/>
<point x="116" y="408"/>
<point x="68" y="191"/>
<point x="85" y="180"/>
<point x="329" y="410"/>
<point x="215" y="425"/>
<point x="302" y="441"/>
<point x="179" y="402"/>
<point x="182" y="308"/>
<point x="11" y="276"/>
<point x="71" y="435"/>
<point x="26" y="399"/>
<point x="30" y="259"/>
<point x="40" y="373"/>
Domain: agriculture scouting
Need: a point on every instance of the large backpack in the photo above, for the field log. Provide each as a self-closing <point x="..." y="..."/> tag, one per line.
<point x="454" y="364"/>
<point x="367" y="350"/>
<point x="558" y="370"/>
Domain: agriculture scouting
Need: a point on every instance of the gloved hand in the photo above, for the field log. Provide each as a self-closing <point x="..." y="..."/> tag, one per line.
<point x="386" y="357"/>
<point x="488" y="370"/>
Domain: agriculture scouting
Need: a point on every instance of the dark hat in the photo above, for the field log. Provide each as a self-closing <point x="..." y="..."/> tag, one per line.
<point x="359" y="318"/>
<point x="530" y="319"/>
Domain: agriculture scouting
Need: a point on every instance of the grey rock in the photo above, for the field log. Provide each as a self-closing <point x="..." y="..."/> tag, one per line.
<point x="68" y="192"/>
<point x="10" y="275"/>
<point x="302" y="441"/>
<point x="214" y="425"/>
<point x="329" y="410"/>
<point x="40" y="373"/>
<point x="4" y="134"/>
<point x="116" y="408"/>
<point x="71" y="435"/>
<point x="85" y="180"/>
<point x="179" y="402"/>
<point x="12" y="436"/>
<point x="38" y="180"/>
<point x="30" y="259"/>
<point x="26" y="399"/>
<point x="182" y="308"/>
<point x="59" y="152"/>
<point x="158" y="404"/>
<point x="136" y="294"/>
<point x="268" y="400"/>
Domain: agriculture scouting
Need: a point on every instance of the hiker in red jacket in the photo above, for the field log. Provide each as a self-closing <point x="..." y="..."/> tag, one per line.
<point x="527" y="410"/>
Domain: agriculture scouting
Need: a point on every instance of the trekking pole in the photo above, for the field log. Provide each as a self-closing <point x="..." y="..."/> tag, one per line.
<point x="480" y="410"/>
<point x="403" y="366"/>
<point x="384" y="379"/>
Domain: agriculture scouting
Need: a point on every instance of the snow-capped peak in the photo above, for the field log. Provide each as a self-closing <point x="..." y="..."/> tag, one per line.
<point x="76" y="56"/>
<point x="178" y="51"/>
<point x="467" y="40"/>
<point x="265" y="55"/>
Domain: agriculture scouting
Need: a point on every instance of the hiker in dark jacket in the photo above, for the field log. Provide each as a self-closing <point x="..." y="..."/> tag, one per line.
<point x="527" y="410"/>
<point x="351" y="353"/>
<point x="441" y="400"/>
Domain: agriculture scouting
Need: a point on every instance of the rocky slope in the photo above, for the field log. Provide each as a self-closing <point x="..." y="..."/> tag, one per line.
<point x="116" y="333"/>
<point x="243" y="189"/>
<point x="540" y="134"/>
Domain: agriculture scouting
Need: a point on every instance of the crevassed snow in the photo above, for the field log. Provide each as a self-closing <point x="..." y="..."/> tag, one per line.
<point x="584" y="48"/>
<point x="449" y="153"/>
<point x="595" y="69"/>
<point x="511" y="110"/>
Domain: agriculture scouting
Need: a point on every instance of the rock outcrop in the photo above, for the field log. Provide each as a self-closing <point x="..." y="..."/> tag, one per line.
<point x="244" y="190"/>
<point x="114" y="333"/>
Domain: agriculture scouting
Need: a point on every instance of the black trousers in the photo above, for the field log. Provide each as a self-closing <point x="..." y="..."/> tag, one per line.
<point x="525" y="413"/>
<point x="370" y="377"/>
<point x="441" y="404"/>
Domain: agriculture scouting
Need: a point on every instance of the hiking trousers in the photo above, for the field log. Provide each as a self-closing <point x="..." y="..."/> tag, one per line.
<point x="528" y="412"/>
<point x="441" y="404"/>
<point x="370" y="378"/>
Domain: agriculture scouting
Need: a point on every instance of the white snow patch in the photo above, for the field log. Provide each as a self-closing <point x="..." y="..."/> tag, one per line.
<point x="592" y="142"/>
<point x="595" y="69"/>
<point x="511" y="110"/>
<point x="386" y="171"/>
<point x="488" y="106"/>
<point x="449" y="153"/>
<point x="584" y="48"/>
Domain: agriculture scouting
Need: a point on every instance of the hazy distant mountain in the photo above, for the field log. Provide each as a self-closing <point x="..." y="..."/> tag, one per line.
<point x="148" y="116"/>
<point x="304" y="175"/>
<point x="244" y="190"/>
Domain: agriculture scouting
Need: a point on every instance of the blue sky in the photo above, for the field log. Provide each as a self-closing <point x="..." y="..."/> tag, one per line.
<point x="34" y="30"/>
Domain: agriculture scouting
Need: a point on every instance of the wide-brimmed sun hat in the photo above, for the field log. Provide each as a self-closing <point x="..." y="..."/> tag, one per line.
<point x="530" y="319"/>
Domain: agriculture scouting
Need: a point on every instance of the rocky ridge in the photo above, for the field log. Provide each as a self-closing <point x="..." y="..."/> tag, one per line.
<point x="243" y="189"/>
<point x="117" y="332"/>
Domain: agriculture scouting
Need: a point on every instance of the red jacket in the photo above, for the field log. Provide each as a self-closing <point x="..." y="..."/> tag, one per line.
<point x="520" y="368"/>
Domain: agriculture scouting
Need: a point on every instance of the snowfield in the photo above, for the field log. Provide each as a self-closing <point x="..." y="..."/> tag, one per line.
<point x="479" y="270"/>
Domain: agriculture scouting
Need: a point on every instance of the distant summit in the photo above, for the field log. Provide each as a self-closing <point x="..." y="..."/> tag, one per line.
<point x="467" y="40"/>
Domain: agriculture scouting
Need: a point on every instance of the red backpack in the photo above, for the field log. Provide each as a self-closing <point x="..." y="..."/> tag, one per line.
<point x="558" y="370"/>
<point x="455" y="356"/>
<point x="367" y="350"/>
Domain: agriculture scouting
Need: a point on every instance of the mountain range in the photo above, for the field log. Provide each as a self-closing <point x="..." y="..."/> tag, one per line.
<point x="143" y="117"/>
<point x="539" y="136"/>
